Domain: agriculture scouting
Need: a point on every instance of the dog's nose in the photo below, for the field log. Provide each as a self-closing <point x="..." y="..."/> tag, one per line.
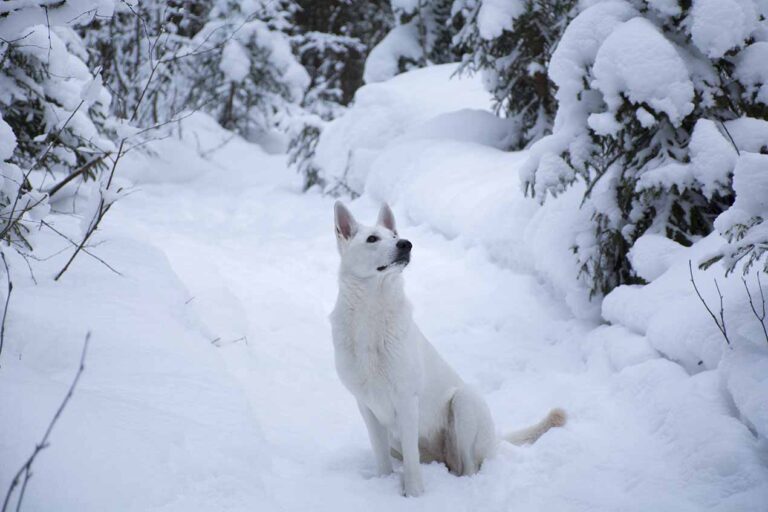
<point x="404" y="245"/>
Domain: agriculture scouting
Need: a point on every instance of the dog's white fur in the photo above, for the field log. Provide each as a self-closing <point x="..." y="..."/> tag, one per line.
<point x="416" y="408"/>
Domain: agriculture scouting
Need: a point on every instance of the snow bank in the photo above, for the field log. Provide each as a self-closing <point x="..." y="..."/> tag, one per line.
<point x="157" y="422"/>
<point x="383" y="112"/>
<point x="670" y="315"/>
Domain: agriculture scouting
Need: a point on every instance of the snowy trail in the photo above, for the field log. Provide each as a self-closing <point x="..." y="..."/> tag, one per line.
<point x="259" y="261"/>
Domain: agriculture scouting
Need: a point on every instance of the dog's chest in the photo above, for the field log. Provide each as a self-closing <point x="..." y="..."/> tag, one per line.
<point x="373" y="357"/>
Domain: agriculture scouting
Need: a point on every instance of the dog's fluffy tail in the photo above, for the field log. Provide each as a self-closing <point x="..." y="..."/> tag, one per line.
<point x="555" y="418"/>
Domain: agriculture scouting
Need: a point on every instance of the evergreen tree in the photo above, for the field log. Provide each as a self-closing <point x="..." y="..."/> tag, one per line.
<point x="332" y="39"/>
<point x="637" y="83"/>
<point x="513" y="55"/>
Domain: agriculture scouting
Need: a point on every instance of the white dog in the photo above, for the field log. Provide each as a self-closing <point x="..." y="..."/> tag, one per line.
<point x="415" y="406"/>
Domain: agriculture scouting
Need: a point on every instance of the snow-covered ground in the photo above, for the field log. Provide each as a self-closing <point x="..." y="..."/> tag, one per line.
<point x="209" y="381"/>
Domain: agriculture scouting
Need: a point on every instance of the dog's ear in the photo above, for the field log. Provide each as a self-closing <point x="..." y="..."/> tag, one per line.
<point x="387" y="218"/>
<point x="346" y="225"/>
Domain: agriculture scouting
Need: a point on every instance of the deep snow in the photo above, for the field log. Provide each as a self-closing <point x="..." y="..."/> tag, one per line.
<point x="210" y="382"/>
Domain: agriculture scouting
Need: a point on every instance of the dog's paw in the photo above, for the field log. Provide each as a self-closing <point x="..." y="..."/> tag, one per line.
<point x="384" y="471"/>
<point x="412" y="487"/>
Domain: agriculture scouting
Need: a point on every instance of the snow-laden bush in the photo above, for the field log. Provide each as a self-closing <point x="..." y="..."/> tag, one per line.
<point x="510" y="43"/>
<point x="645" y="89"/>
<point x="231" y="59"/>
<point x="143" y="50"/>
<point x="53" y="110"/>
<point x="245" y="73"/>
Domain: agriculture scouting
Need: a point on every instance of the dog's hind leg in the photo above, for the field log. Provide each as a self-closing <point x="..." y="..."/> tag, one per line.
<point x="470" y="436"/>
<point x="379" y="440"/>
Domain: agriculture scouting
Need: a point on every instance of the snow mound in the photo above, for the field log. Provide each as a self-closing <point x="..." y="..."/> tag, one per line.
<point x="383" y="112"/>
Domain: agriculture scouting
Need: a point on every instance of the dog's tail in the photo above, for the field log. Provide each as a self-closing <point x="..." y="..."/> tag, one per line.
<point x="555" y="418"/>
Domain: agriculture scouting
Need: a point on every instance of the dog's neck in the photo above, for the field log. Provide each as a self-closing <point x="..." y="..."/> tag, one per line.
<point x="373" y="295"/>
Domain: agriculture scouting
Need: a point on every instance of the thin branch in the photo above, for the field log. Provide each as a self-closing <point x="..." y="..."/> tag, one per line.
<point x="77" y="172"/>
<point x="760" y="316"/>
<point x="7" y="301"/>
<point x="725" y="128"/>
<point x="75" y="244"/>
<point x="26" y="469"/>
<point x="719" y="323"/>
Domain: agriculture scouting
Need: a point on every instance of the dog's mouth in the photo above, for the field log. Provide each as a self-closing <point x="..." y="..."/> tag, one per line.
<point x="400" y="260"/>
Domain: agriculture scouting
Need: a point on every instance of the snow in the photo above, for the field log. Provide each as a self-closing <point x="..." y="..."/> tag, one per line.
<point x="651" y="73"/>
<point x="720" y="25"/>
<point x="17" y="15"/>
<point x="7" y="140"/>
<point x="92" y="90"/>
<point x="496" y="16"/>
<point x="646" y="118"/>
<point x="750" y="182"/>
<point x="209" y="382"/>
<point x="384" y="112"/>
<point x="383" y="61"/>
<point x="652" y="255"/>
<point x="279" y="53"/>
<point x="712" y="158"/>
<point x="235" y="63"/>
<point x="580" y="43"/>
<point x="750" y="134"/>
<point x="752" y="70"/>
<point x="669" y="8"/>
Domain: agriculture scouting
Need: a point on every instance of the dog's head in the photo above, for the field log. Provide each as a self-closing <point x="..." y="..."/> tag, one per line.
<point x="370" y="251"/>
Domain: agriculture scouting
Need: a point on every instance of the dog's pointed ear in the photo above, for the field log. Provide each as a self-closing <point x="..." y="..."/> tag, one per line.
<point x="387" y="218"/>
<point x="346" y="225"/>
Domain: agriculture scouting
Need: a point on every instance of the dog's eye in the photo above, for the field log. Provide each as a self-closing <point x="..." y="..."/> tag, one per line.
<point x="373" y="238"/>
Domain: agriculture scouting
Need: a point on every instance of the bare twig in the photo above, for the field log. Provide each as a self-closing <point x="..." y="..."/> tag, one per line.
<point x="75" y="244"/>
<point x="7" y="301"/>
<point x="77" y="172"/>
<point x="218" y="342"/>
<point x="761" y="315"/>
<point x="728" y="133"/>
<point x="26" y="470"/>
<point x="719" y="323"/>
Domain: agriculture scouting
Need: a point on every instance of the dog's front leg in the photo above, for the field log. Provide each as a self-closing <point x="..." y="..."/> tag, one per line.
<point x="408" y="424"/>
<point x="379" y="439"/>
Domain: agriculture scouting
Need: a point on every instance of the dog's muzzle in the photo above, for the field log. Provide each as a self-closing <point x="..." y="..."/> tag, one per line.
<point x="403" y="256"/>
